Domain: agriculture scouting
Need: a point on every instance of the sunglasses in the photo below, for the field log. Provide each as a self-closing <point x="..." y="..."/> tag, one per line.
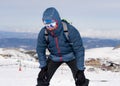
<point x="50" y="23"/>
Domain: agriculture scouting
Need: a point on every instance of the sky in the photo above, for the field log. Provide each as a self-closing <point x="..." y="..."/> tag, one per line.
<point x="88" y="16"/>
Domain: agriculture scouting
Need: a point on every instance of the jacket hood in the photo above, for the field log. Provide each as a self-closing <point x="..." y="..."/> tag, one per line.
<point x="51" y="13"/>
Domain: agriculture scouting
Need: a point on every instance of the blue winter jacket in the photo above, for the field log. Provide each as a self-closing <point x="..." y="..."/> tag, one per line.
<point x="60" y="48"/>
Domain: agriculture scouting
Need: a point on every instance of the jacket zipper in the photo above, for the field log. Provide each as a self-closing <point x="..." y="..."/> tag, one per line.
<point x="58" y="48"/>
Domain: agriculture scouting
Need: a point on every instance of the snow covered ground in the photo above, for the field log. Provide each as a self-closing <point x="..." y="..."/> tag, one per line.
<point x="11" y="75"/>
<point x="107" y="53"/>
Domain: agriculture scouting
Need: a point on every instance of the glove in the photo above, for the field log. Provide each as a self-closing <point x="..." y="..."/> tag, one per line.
<point x="80" y="78"/>
<point x="43" y="73"/>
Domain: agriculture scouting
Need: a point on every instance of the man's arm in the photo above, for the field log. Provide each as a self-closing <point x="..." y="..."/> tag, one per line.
<point x="41" y="48"/>
<point x="78" y="48"/>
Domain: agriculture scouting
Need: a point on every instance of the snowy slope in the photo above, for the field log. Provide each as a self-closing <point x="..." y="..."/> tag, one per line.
<point x="106" y="53"/>
<point x="63" y="77"/>
<point x="13" y="57"/>
<point x="12" y="76"/>
<point x="15" y="53"/>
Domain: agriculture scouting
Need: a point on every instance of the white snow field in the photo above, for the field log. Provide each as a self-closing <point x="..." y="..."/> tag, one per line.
<point x="11" y="75"/>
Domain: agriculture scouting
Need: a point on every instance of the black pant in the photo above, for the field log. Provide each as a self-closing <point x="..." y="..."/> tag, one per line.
<point x="53" y="66"/>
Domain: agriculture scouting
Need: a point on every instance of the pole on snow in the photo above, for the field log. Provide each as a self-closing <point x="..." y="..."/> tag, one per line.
<point x="20" y="66"/>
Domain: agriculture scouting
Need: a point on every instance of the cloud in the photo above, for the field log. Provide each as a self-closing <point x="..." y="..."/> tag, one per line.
<point x="103" y="34"/>
<point x="25" y="15"/>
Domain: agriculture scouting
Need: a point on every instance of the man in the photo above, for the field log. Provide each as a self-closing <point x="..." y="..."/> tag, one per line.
<point x="62" y="50"/>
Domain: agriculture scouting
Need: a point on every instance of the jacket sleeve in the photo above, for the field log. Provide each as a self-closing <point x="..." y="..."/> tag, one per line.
<point x="41" y="48"/>
<point x="77" y="46"/>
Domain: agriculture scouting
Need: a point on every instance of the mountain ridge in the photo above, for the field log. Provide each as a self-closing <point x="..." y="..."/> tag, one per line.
<point x="29" y="41"/>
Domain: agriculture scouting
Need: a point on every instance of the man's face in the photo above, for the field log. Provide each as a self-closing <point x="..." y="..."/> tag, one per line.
<point x="50" y="24"/>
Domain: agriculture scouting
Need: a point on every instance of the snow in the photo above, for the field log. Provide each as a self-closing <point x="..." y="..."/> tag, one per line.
<point x="27" y="77"/>
<point x="107" y="53"/>
<point x="16" y="53"/>
<point x="11" y="75"/>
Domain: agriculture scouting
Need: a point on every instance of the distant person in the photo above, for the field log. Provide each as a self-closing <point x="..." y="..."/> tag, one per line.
<point x="65" y="46"/>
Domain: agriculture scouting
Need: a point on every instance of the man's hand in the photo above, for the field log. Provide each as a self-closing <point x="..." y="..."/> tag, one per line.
<point x="43" y="73"/>
<point x="80" y="78"/>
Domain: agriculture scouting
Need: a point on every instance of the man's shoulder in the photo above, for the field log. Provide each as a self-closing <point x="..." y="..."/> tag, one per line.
<point x="71" y="28"/>
<point x="42" y="30"/>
